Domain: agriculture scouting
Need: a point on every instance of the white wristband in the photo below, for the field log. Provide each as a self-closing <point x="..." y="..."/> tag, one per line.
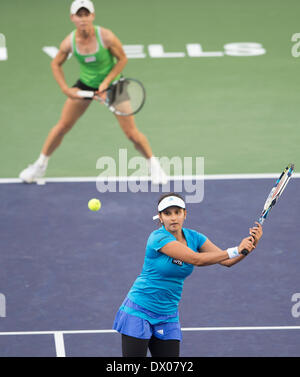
<point x="233" y="252"/>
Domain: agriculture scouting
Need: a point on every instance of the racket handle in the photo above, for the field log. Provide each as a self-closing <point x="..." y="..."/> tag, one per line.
<point x="86" y="93"/>
<point x="245" y="252"/>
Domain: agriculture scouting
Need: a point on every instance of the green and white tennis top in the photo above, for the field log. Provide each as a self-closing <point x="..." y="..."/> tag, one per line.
<point x="94" y="67"/>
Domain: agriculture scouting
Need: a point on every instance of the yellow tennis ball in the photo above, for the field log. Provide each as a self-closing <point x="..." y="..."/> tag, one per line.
<point x="94" y="204"/>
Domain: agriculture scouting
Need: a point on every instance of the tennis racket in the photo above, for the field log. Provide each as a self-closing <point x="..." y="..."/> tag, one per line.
<point x="124" y="97"/>
<point x="274" y="194"/>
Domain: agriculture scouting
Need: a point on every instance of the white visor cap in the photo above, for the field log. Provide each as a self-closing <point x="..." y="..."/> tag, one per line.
<point x="77" y="4"/>
<point x="169" y="201"/>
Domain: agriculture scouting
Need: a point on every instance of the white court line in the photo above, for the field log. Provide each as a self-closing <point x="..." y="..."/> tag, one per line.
<point x="232" y="328"/>
<point x="241" y="328"/>
<point x="60" y="345"/>
<point x="207" y="177"/>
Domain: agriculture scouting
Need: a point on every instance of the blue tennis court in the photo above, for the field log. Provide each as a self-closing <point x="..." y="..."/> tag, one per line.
<point x="65" y="270"/>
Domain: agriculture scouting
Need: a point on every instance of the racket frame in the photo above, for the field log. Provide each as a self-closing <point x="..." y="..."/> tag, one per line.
<point x="88" y="94"/>
<point x="271" y="201"/>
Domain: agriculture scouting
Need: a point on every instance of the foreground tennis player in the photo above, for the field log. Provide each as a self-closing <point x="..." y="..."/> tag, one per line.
<point x="101" y="58"/>
<point x="148" y="317"/>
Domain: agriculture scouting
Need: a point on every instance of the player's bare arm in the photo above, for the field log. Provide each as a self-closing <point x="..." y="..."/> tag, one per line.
<point x="58" y="73"/>
<point x="111" y="42"/>
<point x="210" y="247"/>
<point x="179" y="251"/>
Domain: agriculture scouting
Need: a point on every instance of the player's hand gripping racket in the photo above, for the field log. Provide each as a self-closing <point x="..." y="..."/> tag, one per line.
<point x="274" y="194"/>
<point x="123" y="97"/>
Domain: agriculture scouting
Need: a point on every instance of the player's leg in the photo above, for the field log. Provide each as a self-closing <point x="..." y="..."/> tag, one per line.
<point x="71" y="112"/>
<point x="141" y="143"/>
<point x="131" y="131"/>
<point x="134" y="347"/>
<point x="164" y="348"/>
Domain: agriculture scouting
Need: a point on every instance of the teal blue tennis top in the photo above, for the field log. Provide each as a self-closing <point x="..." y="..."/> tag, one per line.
<point x="159" y="286"/>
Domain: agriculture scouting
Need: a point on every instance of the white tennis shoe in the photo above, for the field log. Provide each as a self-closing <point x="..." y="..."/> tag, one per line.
<point x="33" y="172"/>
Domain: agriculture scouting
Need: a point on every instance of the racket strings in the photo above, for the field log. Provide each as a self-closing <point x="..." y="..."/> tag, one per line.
<point x="284" y="179"/>
<point x="127" y="97"/>
<point x="277" y="190"/>
<point x="282" y="185"/>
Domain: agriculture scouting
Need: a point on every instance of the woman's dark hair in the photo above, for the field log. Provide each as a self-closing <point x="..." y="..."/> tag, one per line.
<point x="170" y="194"/>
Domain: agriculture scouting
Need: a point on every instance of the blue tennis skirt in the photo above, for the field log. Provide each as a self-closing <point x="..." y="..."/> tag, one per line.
<point x="134" y="320"/>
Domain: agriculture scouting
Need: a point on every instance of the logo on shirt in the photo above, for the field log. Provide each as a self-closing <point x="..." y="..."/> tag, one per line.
<point x="178" y="262"/>
<point x="90" y="59"/>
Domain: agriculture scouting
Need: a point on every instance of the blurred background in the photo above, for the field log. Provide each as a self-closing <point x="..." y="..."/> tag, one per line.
<point x="238" y="112"/>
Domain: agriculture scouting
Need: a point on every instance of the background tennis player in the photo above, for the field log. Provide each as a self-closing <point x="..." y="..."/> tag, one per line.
<point x="101" y="58"/>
